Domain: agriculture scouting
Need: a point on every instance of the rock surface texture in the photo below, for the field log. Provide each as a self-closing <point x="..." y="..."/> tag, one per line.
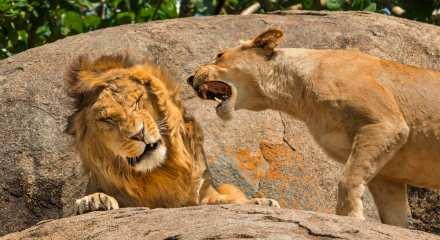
<point x="213" y="223"/>
<point x="265" y="153"/>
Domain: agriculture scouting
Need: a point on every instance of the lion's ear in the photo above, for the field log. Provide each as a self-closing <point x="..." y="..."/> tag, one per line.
<point x="82" y="77"/>
<point x="268" y="40"/>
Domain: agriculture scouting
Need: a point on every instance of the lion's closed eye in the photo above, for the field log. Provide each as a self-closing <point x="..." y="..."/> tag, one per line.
<point x="138" y="104"/>
<point x="107" y="120"/>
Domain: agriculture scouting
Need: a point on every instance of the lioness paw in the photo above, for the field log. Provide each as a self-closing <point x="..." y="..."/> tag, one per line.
<point x="95" y="202"/>
<point x="265" y="202"/>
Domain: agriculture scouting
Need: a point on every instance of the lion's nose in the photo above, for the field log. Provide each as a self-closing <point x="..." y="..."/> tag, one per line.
<point x="139" y="136"/>
<point x="190" y="80"/>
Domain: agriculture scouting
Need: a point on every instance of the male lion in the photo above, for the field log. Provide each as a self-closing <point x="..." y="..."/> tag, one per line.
<point x="380" y="118"/>
<point x="135" y="141"/>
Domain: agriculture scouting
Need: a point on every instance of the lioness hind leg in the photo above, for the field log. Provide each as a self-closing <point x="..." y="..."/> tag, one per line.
<point x="391" y="201"/>
<point x="374" y="145"/>
<point x="95" y="202"/>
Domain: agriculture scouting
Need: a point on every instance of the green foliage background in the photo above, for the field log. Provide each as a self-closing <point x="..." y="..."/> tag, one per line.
<point x="29" y="23"/>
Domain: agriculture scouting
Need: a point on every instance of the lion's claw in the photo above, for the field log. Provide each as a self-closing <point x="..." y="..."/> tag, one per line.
<point x="95" y="202"/>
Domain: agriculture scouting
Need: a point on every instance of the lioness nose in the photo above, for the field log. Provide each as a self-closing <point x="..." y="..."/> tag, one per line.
<point x="190" y="80"/>
<point x="139" y="136"/>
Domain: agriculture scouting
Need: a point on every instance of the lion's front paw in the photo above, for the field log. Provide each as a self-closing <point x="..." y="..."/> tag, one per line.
<point x="264" y="202"/>
<point x="95" y="202"/>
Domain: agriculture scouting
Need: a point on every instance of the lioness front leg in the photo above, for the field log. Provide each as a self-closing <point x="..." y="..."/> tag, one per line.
<point x="95" y="202"/>
<point x="226" y="194"/>
<point x="374" y="145"/>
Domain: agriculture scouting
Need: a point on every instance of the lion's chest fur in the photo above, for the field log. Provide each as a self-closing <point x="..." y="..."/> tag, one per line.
<point x="153" y="191"/>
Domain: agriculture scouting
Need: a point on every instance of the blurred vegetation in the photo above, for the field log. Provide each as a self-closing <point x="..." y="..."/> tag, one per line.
<point x="29" y="23"/>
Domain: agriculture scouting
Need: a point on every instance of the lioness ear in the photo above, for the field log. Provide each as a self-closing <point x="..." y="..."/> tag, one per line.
<point x="268" y="40"/>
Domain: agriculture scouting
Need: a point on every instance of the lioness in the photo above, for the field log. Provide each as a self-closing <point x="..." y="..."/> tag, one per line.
<point x="135" y="141"/>
<point x="380" y="118"/>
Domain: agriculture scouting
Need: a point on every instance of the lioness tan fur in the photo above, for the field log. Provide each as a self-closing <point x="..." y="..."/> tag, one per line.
<point x="135" y="140"/>
<point x="380" y="118"/>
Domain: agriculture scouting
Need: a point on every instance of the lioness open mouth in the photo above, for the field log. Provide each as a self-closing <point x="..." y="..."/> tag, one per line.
<point x="147" y="150"/>
<point x="215" y="90"/>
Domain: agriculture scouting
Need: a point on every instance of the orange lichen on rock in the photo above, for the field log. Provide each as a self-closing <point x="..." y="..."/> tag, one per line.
<point x="252" y="165"/>
<point x="278" y="156"/>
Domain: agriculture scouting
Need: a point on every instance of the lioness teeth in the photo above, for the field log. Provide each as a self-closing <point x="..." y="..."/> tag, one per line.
<point x="217" y="100"/>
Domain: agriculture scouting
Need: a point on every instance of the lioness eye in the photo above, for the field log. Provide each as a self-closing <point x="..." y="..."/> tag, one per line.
<point x="219" y="55"/>
<point x="108" y="120"/>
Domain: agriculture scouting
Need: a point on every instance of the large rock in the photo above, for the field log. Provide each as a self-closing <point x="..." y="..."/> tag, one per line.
<point x="265" y="153"/>
<point x="214" y="223"/>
